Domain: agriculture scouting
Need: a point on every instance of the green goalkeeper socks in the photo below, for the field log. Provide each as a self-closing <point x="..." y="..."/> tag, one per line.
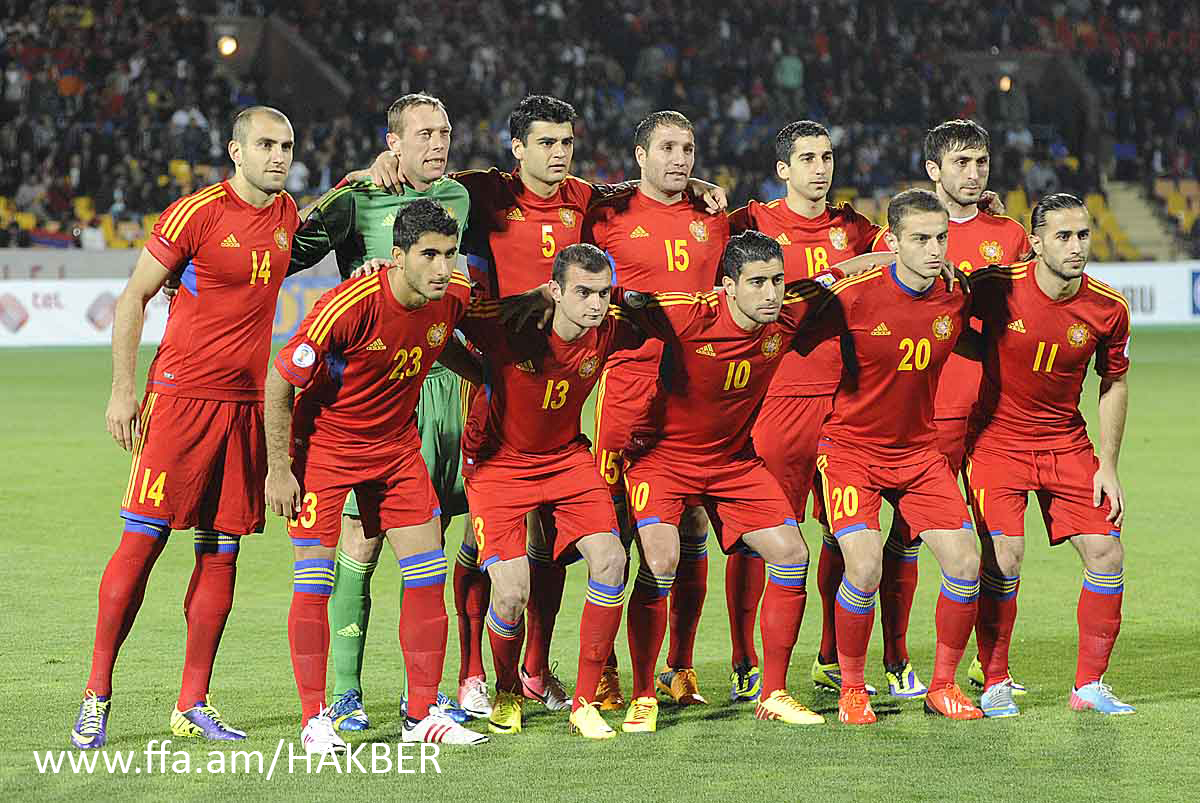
<point x="349" y="610"/>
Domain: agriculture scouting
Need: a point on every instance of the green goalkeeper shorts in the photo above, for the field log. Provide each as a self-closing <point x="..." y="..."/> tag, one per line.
<point x="441" y="412"/>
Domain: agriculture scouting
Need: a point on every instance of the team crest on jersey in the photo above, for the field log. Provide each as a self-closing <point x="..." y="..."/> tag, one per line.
<point x="838" y="238"/>
<point x="699" y="231"/>
<point x="526" y="366"/>
<point x="943" y="327"/>
<point x="589" y="366"/>
<point x="1078" y="334"/>
<point x="281" y="239"/>
<point x="991" y="251"/>
<point x="567" y="216"/>
<point x="436" y="334"/>
<point x="770" y="346"/>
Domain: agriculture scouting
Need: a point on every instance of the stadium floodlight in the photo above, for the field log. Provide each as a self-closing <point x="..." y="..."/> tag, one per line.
<point x="227" y="45"/>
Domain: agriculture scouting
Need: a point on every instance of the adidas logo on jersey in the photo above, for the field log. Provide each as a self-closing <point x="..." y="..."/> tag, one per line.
<point x="230" y="242"/>
<point x="1018" y="325"/>
<point x="638" y="232"/>
<point x="350" y="631"/>
<point x="782" y="239"/>
<point x="514" y="214"/>
<point x="881" y="330"/>
<point x="707" y="350"/>
<point x="376" y="345"/>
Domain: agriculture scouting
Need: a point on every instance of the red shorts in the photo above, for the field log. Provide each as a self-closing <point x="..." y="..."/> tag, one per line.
<point x="571" y="499"/>
<point x="952" y="440"/>
<point x="740" y="495"/>
<point x="785" y="437"/>
<point x="622" y="406"/>
<point x="922" y="490"/>
<point x="198" y="463"/>
<point x="1000" y="483"/>
<point x="393" y="490"/>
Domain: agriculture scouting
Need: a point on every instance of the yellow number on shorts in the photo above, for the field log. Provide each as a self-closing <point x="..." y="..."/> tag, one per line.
<point x="308" y="511"/>
<point x="738" y="375"/>
<point x="152" y="490"/>
<point x="639" y="495"/>
<point x="844" y="501"/>
<point x="916" y="355"/>
<point x="556" y="394"/>
<point x="408" y="363"/>
<point x="260" y="270"/>
<point x="548" y="244"/>
<point x="610" y="469"/>
<point x="1037" y="360"/>
<point x="677" y="255"/>
<point x="477" y="524"/>
<point x="818" y="259"/>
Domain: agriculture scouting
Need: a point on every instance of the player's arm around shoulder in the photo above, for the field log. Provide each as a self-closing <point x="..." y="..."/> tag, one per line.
<point x="326" y="226"/>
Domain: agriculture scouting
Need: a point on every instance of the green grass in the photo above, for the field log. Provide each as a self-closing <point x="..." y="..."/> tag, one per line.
<point x="61" y="477"/>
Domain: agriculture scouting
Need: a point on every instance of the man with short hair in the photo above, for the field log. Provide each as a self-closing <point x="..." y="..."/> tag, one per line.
<point x="197" y="442"/>
<point x="355" y="220"/>
<point x="898" y="326"/>
<point x="1043" y="321"/>
<point x="359" y="359"/>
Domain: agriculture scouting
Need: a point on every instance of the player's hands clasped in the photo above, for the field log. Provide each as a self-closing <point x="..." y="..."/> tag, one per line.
<point x="121" y="418"/>
<point x="1105" y="483"/>
<point x="283" y="493"/>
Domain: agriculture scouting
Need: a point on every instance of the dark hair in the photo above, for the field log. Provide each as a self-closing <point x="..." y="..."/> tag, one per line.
<point x="785" y="140"/>
<point x="954" y="135"/>
<point x="242" y="120"/>
<point x="421" y="217"/>
<point x="909" y="201"/>
<point x="582" y="255"/>
<point x="749" y="246"/>
<point x="396" y="111"/>
<point x="1052" y="203"/>
<point x="646" y="128"/>
<point x="538" y="108"/>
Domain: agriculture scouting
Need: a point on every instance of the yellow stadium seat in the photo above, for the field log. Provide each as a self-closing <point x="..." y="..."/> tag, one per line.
<point x="1100" y="248"/>
<point x="180" y="170"/>
<point x="1163" y="187"/>
<point x="1177" y="206"/>
<point x="1016" y="203"/>
<point x="25" y="220"/>
<point x="148" y="222"/>
<point x="843" y="194"/>
<point x="1190" y="187"/>
<point x="84" y="209"/>
<point x="1095" y="202"/>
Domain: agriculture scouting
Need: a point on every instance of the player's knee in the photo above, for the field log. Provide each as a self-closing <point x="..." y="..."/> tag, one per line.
<point x="607" y="564"/>
<point x="963" y="562"/>
<point x="355" y="544"/>
<point x="1105" y="555"/>
<point x="662" y="563"/>
<point x="509" y="599"/>
<point x="693" y="524"/>
<point x="864" y="574"/>
<point x="1008" y="553"/>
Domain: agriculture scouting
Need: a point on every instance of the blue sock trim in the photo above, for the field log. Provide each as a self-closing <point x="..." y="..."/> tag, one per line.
<point x="661" y="586"/>
<point x="211" y="542"/>
<point x="854" y="600"/>
<point x="152" y="530"/>
<point x="794" y="575"/>
<point x="1000" y="586"/>
<point x="504" y="629"/>
<point x="605" y="596"/>
<point x="1099" y="583"/>
<point x="313" y="576"/>
<point x="960" y="590"/>
<point x="425" y="569"/>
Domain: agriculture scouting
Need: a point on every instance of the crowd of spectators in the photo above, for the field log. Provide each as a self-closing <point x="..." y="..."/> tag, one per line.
<point x="100" y="97"/>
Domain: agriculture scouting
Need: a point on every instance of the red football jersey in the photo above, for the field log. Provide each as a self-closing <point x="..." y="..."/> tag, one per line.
<point x="231" y="258"/>
<point x="513" y="233"/>
<point x="973" y="242"/>
<point x="810" y="246"/>
<point x="657" y="247"/>
<point x="1036" y="356"/>
<point x="359" y="358"/>
<point x="899" y="341"/>
<point x="718" y="374"/>
<point x="537" y="385"/>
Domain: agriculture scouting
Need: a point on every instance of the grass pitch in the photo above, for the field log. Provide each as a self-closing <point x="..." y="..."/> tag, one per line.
<point x="61" y="478"/>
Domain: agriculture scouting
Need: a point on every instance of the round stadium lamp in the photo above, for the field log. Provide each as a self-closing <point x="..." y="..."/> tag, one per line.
<point x="227" y="45"/>
<point x="1005" y="83"/>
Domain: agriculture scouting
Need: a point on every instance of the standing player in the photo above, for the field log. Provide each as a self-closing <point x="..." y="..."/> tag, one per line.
<point x="659" y="239"/>
<point x="354" y="220"/>
<point x="1043" y="321"/>
<point x="523" y="451"/>
<point x="519" y="222"/>
<point x="958" y="162"/>
<point x="813" y="235"/>
<point x="725" y="347"/>
<point x="359" y="358"/>
<point x="198" y="451"/>
<point x="898" y="326"/>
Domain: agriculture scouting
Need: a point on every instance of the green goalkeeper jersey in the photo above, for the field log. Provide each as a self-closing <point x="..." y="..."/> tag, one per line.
<point x="355" y="222"/>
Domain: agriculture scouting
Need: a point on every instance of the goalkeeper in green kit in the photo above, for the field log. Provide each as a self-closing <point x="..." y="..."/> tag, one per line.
<point x="354" y="220"/>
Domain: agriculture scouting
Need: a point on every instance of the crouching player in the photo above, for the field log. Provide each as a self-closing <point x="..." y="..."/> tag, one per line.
<point x="523" y="452"/>
<point x="1043" y="321"/>
<point x="359" y="359"/>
